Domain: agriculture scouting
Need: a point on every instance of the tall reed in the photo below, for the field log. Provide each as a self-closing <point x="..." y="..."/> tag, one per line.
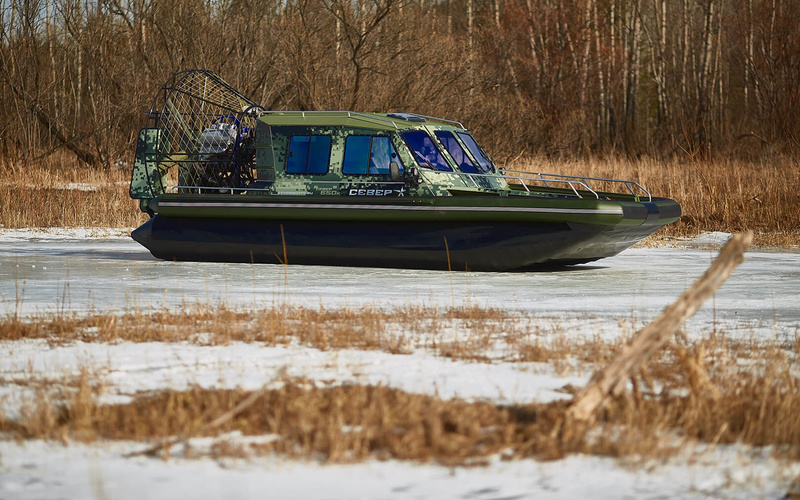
<point x="721" y="195"/>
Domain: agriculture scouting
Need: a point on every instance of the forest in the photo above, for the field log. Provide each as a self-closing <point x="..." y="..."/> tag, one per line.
<point x="667" y="79"/>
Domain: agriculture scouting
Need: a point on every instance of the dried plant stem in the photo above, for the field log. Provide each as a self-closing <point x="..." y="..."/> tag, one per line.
<point x="794" y="490"/>
<point x="285" y="262"/>
<point x="450" y="272"/>
<point x="610" y="380"/>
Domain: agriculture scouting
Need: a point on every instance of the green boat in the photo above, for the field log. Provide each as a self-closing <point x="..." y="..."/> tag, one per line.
<point x="225" y="180"/>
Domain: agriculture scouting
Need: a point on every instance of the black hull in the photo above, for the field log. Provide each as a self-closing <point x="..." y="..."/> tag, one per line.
<point x="496" y="246"/>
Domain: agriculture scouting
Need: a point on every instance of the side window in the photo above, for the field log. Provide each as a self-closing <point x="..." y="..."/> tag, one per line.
<point x="457" y="152"/>
<point x="364" y="154"/>
<point x="382" y="155"/>
<point x="425" y="152"/>
<point x="356" y="155"/>
<point x="308" y="154"/>
<point x="477" y="151"/>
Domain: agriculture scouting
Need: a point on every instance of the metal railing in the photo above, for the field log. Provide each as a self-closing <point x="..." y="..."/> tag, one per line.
<point x="582" y="182"/>
<point x="275" y="187"/>
<point x="575" y="183"/>
<point x="445" y="120"/>
<point x="362" y="116"/>
<point x="216" y="189"/>
<point x="350" y="114"/>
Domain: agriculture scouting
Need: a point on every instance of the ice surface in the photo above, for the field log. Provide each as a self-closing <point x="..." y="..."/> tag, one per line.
<point x="46" y="272"/>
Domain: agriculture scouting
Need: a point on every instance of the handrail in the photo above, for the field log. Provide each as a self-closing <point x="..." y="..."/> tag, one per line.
<point x="218" y="189"/>
<point x="546" y="178"/>
<point x="571" y="180"/>
<point x="439" y="119"/>
<point x="365" y="116"/>
<point x="266" y="189"/>
<point x="585" y="181"/>
<point x="350" y="114"/>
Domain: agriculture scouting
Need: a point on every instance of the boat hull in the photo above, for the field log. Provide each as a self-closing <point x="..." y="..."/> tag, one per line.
<point x="504" y="243"/>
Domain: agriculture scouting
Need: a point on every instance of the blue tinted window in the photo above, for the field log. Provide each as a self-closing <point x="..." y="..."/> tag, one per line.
<point x="364" y="154"/>
<point x="477" y="151"/>
<point x="457" y="152"/>
<point x="425" y="152"/>
<point x="381" y="155"/>
<point x="298" y="155"/>
<point x="356" y="154"/>
<point x="319" y="154"/>
<point x="308" y="154"/>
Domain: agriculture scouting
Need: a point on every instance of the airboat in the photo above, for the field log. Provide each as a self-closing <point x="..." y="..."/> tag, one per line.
<point x="225" y="180"/>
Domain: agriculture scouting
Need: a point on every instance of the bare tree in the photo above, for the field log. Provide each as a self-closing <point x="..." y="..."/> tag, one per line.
<point x="569" y="77"/>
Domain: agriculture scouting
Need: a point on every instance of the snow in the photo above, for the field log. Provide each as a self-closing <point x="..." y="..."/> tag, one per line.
<point x="711" y="238"/>
<point x="63" y="234"/>
<point x="76" y="186"/>
<point x="85" y="270"/>
<point x="49" y="470"/>
<point x="129" y="368"/>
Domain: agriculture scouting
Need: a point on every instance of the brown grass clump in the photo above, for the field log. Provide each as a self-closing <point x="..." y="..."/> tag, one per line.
<point x="55" y="195"/>
<point x="465" y="333"/>
<point x="715" y="392"/>
<point x="725" y="405"/>
<point x="337" y="424"/>
<point x="563" y="353"/>
<point x="394" y="331"/>
<point x="57" y="409"/>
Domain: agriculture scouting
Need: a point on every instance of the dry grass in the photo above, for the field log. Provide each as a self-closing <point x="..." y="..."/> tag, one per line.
<point x="691" y="393"/>
<point x="468" y="333"/>
<point x="723" y="195"/>
<point x="460" y="332"/>
<point x="718" y="392"/>
<point x="57" y="195"/>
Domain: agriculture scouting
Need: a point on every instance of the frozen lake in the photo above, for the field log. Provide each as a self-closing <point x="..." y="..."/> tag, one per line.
<point x="84" y="270"/>
<point x="69" y="271"/>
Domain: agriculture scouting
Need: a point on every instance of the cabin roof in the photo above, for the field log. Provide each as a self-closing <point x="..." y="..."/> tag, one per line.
<point x="376" y="121"/>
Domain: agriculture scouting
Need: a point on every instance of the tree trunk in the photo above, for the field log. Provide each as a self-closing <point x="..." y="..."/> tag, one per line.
<point x="470" y="53"/>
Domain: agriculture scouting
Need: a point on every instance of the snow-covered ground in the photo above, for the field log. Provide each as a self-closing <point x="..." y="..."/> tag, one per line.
<point x="126" y="369"/>
<point x="35" y="470"/>
<point x="84" y="270"/>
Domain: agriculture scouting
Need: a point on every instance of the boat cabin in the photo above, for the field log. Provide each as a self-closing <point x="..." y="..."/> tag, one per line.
<point x="367" y="154"/>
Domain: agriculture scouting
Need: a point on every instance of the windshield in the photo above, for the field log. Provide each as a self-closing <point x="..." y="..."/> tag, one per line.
<point x="477" y="152"/>
<point x="425" y="152"/>
<point x="457" y="152"/>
